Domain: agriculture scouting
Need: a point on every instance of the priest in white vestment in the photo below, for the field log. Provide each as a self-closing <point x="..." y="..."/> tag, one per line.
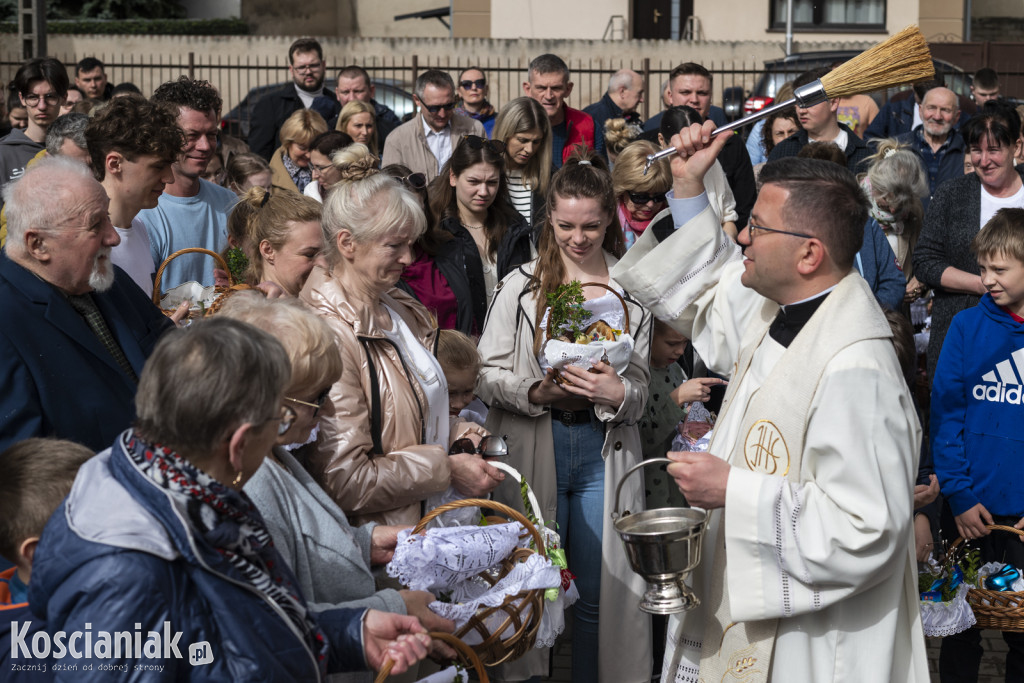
<point x="808" y="571"/>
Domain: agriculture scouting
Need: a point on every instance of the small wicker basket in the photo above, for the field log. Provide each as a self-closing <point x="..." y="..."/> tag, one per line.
<point x="467" y="658"/>
<point x="559" y="378"/>
<point x="997" y="610"/>
<point x="223" y="292"/>
<point x="522" y="612"/>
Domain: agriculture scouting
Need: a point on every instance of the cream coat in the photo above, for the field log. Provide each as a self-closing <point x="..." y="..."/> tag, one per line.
<point x="510" y="369"/>
<point x="387" y="487"/>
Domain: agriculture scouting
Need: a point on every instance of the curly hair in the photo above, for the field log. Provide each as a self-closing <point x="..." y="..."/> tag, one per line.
<point x="133" y="127"/>
<point x="189" y="93"/>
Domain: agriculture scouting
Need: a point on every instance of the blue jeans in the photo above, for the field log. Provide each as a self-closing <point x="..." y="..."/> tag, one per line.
<point x="580" y="472"/>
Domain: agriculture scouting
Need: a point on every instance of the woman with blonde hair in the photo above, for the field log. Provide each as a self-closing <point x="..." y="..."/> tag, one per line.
<point x="290" y="162"/>
<point x="280" y="236"/>
<point x="573" y="442"/>
<point x="524" y="127"/>
<point x="383" y="449"/>
<point x="640" y="196"/>
<point x="357" y="120"/>
<point x="895" y="184"/>
<point x="618" y="134"/>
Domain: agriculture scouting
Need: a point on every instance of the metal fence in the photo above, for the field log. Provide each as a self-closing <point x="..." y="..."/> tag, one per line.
<point x="235" y="76"/>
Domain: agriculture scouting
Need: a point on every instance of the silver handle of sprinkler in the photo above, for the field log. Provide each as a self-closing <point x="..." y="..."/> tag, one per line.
<point x="805" y="96"/>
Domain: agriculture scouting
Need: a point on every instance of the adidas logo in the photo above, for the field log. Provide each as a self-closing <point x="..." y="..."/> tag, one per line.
<point x="1003" y="385"/>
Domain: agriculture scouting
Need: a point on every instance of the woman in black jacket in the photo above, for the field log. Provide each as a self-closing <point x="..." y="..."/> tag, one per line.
<point x="470" y="200"/>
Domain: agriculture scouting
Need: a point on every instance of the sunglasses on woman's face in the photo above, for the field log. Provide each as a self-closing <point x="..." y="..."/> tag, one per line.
<point x="477" y="142"/>
<point x="414" y="181"/>
<point x="641" y="198"/>
<point x="491" y="446"/>
<point x="478" y="84"/>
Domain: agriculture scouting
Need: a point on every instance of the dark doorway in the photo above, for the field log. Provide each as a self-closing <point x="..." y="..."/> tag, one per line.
<point x="652" y="19"/>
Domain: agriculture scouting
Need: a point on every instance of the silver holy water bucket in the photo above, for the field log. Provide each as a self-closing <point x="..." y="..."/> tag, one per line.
<point x="663" y="546"/>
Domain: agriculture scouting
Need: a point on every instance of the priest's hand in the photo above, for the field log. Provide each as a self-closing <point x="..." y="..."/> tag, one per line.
<point x="696" y="152"/>
<point x="971" y="523"/>
<point x="701" y="477"/>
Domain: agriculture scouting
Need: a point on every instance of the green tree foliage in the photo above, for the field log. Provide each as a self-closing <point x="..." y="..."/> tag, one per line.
<point x="115" y="9"/>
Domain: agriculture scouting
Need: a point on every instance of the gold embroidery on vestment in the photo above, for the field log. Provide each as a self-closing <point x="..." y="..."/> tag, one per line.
<point x="764" y="449"/>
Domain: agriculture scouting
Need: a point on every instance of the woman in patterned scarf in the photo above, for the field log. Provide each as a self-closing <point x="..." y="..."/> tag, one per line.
<point x="159" y="535"/>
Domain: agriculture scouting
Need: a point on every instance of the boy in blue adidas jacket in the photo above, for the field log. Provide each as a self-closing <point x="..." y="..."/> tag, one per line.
<point x="977" y="411"/>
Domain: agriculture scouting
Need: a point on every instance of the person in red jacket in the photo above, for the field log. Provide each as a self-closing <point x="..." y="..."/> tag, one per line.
<point x="548" y="83"/>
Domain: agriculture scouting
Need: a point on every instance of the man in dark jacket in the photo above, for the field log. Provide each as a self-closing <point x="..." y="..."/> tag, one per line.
<point x="936" y="140"/>
<point x="820" y="124"/>
<point x="354" y="84"/>
<point x="307" y="69"/>
<point x="690" y="85"/>
<point x="69" y="365"/>
<point x="625" y="94"/>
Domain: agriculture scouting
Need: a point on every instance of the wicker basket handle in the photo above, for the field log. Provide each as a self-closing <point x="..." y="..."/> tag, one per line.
<point x="991" y="527"/>
<point x="191" y="250"/>
<point x="468" y="656"/>
<point x="492" y="504"/>
<point x="625" y="309"/>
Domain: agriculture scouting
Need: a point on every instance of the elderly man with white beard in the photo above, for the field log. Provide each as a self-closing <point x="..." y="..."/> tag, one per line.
<point x="936" y="140"/>
<point x="77" y="330"/>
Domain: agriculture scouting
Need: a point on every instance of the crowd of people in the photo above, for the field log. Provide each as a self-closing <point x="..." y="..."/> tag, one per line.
<point x="241" y="478"/>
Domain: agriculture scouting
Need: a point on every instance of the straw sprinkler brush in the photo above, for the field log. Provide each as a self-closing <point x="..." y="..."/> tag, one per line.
<point x="901" y="60"/>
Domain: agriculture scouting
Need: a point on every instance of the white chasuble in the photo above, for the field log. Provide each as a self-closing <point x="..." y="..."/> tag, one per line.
<point x="820" y="557"/>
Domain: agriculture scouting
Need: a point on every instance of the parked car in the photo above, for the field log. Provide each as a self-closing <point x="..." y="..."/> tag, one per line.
<point x="387" y="91"/>
<point x="778" y="71"/>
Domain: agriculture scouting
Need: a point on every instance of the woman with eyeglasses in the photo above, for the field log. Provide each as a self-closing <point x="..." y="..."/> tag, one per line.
<point x="290" y="162"/>
<point x="640" y="196"/>
<point x="472" y="90"/>
<point x="159" y="532"/>
<point x="470" y="199"/>
<point x="383" y="449"/>
<point x="325" y="175"/>
<point x="332" y="559"/>
<point x="524" y="127"/>
<point x="279" y="236"/>
<point x="574" y="441"/>
<point x="358" y="121"/>
<point x="436" y="276"/>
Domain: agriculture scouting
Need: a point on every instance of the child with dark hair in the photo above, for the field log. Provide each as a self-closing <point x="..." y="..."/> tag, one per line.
<point x="38" y="474"/>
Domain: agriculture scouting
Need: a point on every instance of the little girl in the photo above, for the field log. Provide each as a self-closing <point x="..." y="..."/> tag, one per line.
<point x="457" y="354"/>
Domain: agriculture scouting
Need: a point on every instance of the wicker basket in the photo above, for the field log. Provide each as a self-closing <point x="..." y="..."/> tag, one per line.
<point x="1005" y="609"/>
<point x="223" y="292"/>
<point x="466" y="657"/>
<point x="559" y="379"/>
<point x="522" y="612"/>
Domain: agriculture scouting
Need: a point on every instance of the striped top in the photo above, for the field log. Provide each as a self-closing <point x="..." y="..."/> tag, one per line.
<point x="520" y="194"/>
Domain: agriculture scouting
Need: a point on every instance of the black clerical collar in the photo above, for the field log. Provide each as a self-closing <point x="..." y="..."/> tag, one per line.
<point x="792" y="318"/>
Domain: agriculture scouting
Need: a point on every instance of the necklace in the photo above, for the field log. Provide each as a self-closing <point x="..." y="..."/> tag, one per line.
<point x="473" y="227"/>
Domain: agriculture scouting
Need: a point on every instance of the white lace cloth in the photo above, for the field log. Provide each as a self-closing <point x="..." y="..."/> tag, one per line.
<point x="941" y="619"/>
<point x="558" y="354"/>
<point x="536" y="573"/>
<point x="441" y="559"/>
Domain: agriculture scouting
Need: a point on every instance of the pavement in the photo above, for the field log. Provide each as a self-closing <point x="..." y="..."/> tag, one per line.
<point x="992" y="670"/>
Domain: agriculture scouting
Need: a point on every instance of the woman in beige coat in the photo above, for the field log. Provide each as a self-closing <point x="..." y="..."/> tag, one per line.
<point x="383" y="444"/>
<point x="573" y="443"/>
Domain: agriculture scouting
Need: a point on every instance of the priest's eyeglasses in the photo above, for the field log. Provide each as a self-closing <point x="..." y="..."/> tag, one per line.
<point x="754" y="228"/>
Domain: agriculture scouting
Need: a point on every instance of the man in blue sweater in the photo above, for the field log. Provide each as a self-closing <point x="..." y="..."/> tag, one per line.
<point x="976" y="408"/>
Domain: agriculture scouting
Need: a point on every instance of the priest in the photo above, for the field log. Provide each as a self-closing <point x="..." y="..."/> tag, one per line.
<point x="808" y="570"/>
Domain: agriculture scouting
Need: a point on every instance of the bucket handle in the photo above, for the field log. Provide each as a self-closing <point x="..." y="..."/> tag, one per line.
<point x="631" y="470"/>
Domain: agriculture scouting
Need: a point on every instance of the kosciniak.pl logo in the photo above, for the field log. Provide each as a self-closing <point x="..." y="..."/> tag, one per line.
<point x="29" y="651"/>
<point x="1004" y="384"/>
